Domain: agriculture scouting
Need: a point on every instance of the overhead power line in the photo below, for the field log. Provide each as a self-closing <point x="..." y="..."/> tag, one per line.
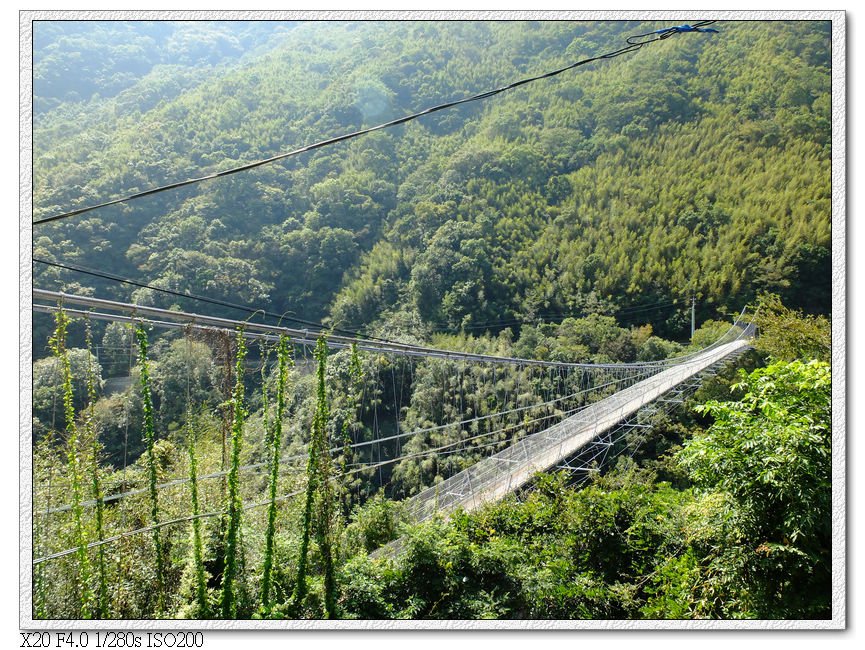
<point x="634" y="43"/>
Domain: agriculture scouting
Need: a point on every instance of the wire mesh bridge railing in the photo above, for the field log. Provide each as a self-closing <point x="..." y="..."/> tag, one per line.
<point x="503" y="472"/>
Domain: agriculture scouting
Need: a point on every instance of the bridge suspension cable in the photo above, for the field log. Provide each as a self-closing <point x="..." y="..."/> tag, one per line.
<point x="318" y="327"/>
<point x="493" y="477"/>
<point x="178" y="320"/>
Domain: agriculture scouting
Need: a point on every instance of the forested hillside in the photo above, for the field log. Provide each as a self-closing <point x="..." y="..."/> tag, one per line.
<point x="696" y="166"/>
<point x="77" y="63"/>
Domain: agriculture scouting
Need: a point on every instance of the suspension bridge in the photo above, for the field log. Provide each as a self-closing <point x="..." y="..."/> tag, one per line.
<point x="498" y="475"/>
<point x="511" y="417"/>
<point x="548" y="415"/>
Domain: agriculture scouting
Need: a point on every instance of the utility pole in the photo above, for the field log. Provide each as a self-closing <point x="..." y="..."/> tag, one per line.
<point x="693" y="305"/>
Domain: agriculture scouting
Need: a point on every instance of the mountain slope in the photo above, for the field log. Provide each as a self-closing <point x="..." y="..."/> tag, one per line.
<point x="696" y="166"/>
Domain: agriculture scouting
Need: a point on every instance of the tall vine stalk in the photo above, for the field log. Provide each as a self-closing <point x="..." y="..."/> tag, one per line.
<point x="191" y="444"/>
<point x="265" y="398"/>
<point x="149" y="440"/>
<point x="98" y="496"/>
<point x="229" y="601"/>
<point x="275" y="450"/>
<point x="355" y="378"/>
<point x="318" y="509"/>
<point x="58" y="347"/>
<point x="351" y="421"/>
<point x="39" y="605"/>
<point x="197" y="552"/>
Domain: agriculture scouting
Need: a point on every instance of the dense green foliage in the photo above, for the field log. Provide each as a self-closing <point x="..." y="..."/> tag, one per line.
<point x="138" y="64"/>
<point x="787" y="335"/>
<point x="750" y="538"/>
<point x="49" y="412"/>
<point x="767" y="460"/>
<point x="727" y="523"/>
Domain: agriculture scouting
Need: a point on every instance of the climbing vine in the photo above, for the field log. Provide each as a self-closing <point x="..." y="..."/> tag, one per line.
<point x="197" y="551"/>
<point x="191" y="444"/>
<point x="265" y="398"/>
<point x="58" y="347"/>
<point x="355" y="373"/>
<point x="324" y="527"/>
<point x="232" y="536"/>
<point x="275" y="445"/>
<point x="350" y="423"/>
<point x="149" y="440"/>
<point x="318" y="507"/>
<point x="98" y="496"/>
